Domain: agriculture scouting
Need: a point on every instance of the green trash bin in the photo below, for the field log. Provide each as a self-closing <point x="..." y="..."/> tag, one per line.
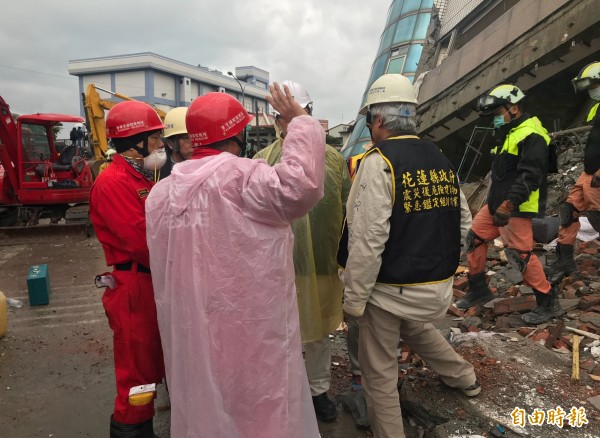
<point x="38" y="285"/>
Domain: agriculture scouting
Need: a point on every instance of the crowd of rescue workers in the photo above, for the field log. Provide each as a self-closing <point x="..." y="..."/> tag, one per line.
<point x="229" y="273"/>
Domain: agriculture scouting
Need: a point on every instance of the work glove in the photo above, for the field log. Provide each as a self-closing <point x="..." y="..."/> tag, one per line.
<point x="502" y="214"/>
<point x="595" y="183"/>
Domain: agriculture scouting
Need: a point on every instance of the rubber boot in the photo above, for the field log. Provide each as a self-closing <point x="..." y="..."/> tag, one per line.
<point x="479" y="292"/>
<point x="565" y="263"/>
<point x="139" y="430"/>
<point x="548" y="307"/>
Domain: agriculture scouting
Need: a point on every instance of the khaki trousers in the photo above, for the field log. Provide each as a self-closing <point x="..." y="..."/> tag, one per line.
<point x="317" y="359"/>
<point x="380" y="333"/>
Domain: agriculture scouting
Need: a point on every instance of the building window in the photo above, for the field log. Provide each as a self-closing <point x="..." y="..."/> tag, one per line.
<point x="397" y="58"/>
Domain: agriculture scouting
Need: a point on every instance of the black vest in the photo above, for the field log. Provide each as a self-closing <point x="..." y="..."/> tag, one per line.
<point x="424" y="240"/>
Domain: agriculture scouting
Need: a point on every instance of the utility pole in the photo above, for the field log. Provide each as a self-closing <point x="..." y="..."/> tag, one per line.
<point x="257" y="127"/>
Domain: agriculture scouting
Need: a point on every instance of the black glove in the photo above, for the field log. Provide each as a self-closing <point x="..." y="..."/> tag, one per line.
<point x="502" y="214"/>
<point x="595" y="181"/>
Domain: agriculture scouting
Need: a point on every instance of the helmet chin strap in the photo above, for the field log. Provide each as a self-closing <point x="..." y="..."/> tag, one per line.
<point x="143" y="151"/>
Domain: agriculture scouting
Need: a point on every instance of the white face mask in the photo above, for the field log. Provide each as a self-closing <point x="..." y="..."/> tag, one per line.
<point x="594" y="93"/>
<point x="156" y="159"/>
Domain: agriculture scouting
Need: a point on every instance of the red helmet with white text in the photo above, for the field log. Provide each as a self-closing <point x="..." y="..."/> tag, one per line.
<point x="130" y="118"/>
<point x="215" y="117"/>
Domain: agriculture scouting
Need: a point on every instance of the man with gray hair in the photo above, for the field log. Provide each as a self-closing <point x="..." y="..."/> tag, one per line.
<point x="404" y="228"/>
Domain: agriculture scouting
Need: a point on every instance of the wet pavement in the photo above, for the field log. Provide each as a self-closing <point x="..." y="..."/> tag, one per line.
<point x="56" y="369"/>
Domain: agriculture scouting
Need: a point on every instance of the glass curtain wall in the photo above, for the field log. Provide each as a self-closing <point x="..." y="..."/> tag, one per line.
<point x="399" y="51"/>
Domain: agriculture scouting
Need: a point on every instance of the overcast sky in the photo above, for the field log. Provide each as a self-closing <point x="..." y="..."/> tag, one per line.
<point x="326" y="45"/>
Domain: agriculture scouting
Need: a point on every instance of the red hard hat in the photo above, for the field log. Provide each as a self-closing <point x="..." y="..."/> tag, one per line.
<point x="215" y="117"/>
<point x="130" y="118"/>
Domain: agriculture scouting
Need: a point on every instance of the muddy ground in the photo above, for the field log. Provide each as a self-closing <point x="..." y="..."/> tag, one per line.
<point x="56" y="375"/>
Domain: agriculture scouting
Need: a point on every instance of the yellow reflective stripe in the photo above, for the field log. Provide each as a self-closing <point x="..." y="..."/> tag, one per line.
<point x="399" y="137"/>
<point x="519" y="133"/>
<point x="417" y="284"/>
<point x="592" y="112"/>
<point x="391" y="169"/>
<point x="532" y="203"/>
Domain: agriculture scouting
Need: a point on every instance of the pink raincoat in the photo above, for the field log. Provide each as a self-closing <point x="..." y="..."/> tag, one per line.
<point x="221" y="259"/>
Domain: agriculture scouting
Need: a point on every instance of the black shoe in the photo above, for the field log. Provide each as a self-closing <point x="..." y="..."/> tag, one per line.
<point x="324" y="408"/>
<point x="139" y="430"/>
<point x="548" y="307"/>
<point x="564" y="264"/>
<point x="479" y="292"/>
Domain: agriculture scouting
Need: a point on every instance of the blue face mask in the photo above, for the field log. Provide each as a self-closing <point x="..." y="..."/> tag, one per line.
<point x="595" y="93"/>
<point x="499" y="121"/>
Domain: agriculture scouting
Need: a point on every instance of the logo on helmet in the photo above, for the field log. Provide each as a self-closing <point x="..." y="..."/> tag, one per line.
<point x="126" y="126"/>
<point x="230" y="124"/>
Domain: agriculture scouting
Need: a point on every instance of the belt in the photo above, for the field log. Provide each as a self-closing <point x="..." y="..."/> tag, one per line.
<point x="127" y="267"/>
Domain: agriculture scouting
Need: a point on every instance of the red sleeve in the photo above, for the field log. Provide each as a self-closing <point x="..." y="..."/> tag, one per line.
<point x="121" y="208"/>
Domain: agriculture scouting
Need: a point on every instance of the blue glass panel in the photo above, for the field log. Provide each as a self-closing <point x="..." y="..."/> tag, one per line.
<point x="395" y="11"/>
<point x="386" y="39"/>
<point x="405" y="30"/>
<point x="378" y="68"/>
<point x="358" y="128"/>
<point x="421" y="27"/>
<point x="358" y="148"/>
<point x="427" y="4"/>
<point x="410" y="5"/>
<point x="395" y="65"/>
<point x="414" y="54"/>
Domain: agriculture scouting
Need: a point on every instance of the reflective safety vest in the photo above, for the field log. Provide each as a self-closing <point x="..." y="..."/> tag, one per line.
<point x="592" y="112"/>
<point x="511" y="146"/>
<point x="353" y="164"/>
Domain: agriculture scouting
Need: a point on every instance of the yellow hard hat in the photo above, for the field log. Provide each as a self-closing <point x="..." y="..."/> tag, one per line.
<point x="175" y="122"/>
<point x="390" y="88"/>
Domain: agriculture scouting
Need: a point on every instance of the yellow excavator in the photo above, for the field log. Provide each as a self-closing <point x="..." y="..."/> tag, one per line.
<point x="95" y="107"/>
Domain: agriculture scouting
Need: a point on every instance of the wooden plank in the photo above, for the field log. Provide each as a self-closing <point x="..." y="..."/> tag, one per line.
<point x="575" y="371"/>
<point x="554" y="335"/>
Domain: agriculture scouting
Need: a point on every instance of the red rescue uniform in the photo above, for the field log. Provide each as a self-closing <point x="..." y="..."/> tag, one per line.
<point x="117" y="211"/>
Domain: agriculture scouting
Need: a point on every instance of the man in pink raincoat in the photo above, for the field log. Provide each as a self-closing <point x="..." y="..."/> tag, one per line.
<point x="221" y="258"/>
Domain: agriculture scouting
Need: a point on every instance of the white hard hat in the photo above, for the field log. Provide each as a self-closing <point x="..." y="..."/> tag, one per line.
<point x="175" y="122"/>
<point x="390" y="88"/>
<point x="299" y="93"/>
<point x="109" y="153"/>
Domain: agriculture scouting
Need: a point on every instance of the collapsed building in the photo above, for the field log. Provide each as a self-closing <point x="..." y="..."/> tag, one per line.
<point x="471" y="46"/>
<point x="538" y="45"/>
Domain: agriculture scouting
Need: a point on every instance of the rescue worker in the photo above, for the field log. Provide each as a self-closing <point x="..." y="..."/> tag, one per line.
<point x="178" y="145"/>
<point x="585" y="194"/>
<point x="316" y="237"/>
<point x="399" y="278"/>
<point x="117" y="212"/>
<point x="108" y="159"/>
<point x="221" y="257"/>
<point x="517" y="193"/>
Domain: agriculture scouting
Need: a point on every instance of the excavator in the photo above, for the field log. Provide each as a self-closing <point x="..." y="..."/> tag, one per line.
<point x="94" y="110"/>
<point x="35" y="180"/>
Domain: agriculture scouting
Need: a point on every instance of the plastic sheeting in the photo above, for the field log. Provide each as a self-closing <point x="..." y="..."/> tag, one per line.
<point x="316" y="242"/>
<point x="221" y="258"/>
